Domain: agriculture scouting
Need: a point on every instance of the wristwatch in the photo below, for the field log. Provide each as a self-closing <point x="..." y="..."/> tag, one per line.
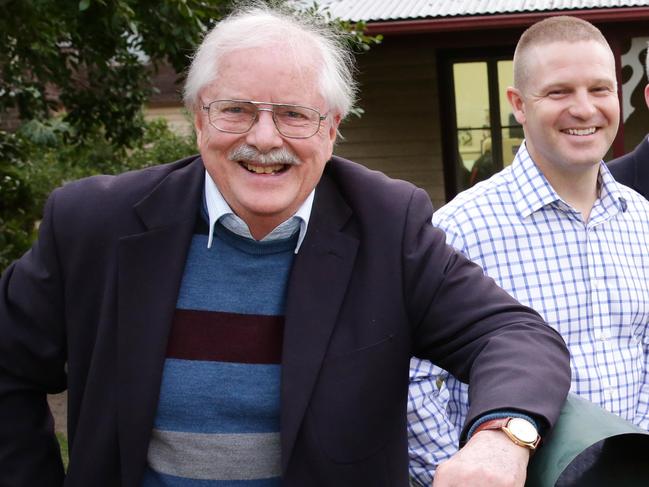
<point x="519" y="430"/>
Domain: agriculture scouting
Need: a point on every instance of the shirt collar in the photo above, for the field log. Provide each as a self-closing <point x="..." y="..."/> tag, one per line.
<point x="218" y="209"/>
<point x="534" y="191"/>
<point x="610" y="189"/>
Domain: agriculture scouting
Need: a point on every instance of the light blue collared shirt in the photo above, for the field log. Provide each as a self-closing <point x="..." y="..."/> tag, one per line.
<point x="219" y="210"/>
<point x="590" y="282"/>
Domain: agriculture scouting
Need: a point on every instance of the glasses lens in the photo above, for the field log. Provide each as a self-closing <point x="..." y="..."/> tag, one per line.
<point x="296" y="121"/>
<point x="232" y="116"/>
<point x="237" y="117"/>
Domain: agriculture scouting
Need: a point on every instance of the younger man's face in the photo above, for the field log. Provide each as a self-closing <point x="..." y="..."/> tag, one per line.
<point x="568" y="106"/>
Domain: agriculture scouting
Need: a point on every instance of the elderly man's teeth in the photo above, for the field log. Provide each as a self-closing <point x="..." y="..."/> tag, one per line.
<point x="264" y="169"/>
<point x="587" y="131"/>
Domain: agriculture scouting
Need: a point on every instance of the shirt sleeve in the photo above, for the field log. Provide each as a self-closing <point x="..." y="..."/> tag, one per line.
<point x="432" y="437"/>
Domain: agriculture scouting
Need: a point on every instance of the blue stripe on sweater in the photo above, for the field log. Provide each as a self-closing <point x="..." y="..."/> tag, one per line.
<point x="255" y="284"/>
<point x="155" y="479"/>
<point x="218" y="397"/>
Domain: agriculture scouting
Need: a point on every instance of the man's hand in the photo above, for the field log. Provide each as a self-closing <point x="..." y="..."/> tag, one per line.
<point x="489" y="459"/>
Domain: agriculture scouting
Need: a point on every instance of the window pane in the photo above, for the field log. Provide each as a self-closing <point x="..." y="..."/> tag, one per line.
<point x="473" y="165"/>
<point x="471" y="95"/>
<point x="505" y="79"/>
<point x="512" y="133"/>
<point x="472" y="115"/>
<point x="511" y="143"/>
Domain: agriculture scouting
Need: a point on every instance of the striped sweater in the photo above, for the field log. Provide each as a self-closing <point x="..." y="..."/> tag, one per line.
<point x="217" y="422"/>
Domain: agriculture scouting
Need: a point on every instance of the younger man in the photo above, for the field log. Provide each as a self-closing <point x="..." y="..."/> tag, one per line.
<point x="556" y="231"/>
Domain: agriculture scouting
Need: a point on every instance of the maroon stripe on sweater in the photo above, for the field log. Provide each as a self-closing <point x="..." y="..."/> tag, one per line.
<point x="226" y="337"/>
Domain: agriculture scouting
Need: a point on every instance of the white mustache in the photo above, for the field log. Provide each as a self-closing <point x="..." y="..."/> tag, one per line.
<point x="281" y="155"/>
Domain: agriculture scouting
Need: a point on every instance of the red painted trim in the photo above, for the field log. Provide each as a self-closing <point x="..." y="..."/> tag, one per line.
<point x="480" y="22"/>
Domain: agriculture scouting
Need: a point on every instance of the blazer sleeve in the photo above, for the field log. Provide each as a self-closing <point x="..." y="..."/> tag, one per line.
<point x="468" y="325"/>
<point x="32" y="362"/>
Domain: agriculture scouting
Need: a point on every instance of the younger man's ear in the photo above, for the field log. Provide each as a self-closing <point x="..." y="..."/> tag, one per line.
<point x="516" y="101"/>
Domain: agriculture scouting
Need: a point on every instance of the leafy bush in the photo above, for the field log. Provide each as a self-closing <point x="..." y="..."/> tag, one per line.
<point x="44" y="155"/>
<point x="17" y="202"/>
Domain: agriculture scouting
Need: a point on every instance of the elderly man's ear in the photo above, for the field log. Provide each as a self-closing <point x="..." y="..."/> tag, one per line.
<point x="333" y="128"/>
<point x="198" y="126"/>
<point x="646" y="94"/>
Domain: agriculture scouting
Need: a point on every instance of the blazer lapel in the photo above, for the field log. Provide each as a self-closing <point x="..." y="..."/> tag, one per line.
<point x="317" y="286"/>
<point x="150" y="270"/>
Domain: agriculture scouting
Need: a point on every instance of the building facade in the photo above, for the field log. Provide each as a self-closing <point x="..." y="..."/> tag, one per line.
<point x="432" y="92"/>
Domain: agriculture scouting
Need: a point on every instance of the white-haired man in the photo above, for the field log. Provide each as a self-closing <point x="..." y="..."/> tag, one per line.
<point x="556" y="231"/>
<point x="246" y="317"/>
<point x="632" y="169"/>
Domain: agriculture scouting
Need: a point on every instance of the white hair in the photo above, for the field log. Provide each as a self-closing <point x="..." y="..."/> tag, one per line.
<point x="301" y="35"/>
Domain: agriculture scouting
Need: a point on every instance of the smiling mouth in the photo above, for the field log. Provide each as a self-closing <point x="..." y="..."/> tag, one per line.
<point x="265" y="169"/>
<point x="581" y="132"/>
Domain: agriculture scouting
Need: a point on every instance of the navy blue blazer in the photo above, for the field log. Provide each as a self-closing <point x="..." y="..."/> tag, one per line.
<point x="632" y="169"/>
<point x="89" y="309"/>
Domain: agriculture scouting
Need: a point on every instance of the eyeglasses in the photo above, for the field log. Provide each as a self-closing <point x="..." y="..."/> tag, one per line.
<point x="238" y="116"/>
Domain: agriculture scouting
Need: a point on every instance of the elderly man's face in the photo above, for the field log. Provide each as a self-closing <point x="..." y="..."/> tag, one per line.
<point x="569" y="106"/>
<point x="264" y="198"/>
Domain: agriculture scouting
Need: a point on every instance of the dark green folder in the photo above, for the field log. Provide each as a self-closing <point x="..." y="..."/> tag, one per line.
<point x="590" y="447"/>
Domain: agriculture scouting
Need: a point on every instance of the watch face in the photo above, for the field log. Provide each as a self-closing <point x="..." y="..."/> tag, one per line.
<point x="523" y="430"/>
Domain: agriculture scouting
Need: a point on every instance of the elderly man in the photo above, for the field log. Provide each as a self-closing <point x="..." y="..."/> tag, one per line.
<point x="246" y="317"/>
<point x="556" y="231"/>
<point x="632" y="169"/>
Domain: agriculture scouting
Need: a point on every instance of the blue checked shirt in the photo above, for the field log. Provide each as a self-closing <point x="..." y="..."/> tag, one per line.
<point x="590" y="281"/>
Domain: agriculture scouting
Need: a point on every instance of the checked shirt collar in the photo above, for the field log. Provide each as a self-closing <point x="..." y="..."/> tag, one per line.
<point x="533" y="192"/>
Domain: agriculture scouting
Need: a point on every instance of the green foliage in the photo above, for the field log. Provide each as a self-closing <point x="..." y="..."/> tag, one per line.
<point x="94" y="57"/>
<point x="47" y="155"/>
<point x="63" y="445"/>
<point x="78" y="73"/>
<point x="17" y="202"/>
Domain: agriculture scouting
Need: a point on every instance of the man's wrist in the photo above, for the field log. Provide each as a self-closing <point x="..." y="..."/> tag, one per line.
<point x="520" y="431"/>
<point x="498" y="415"/>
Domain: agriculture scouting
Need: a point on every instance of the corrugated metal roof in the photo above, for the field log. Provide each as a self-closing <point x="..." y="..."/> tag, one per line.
<point x="386" y="10"/>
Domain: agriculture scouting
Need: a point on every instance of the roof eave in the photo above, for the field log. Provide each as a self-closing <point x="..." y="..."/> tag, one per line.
<point x="499" y="21"/>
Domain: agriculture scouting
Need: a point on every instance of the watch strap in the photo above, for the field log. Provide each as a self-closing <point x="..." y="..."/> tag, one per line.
<point x="492" y="424"/>
<point x="501" y="424"/>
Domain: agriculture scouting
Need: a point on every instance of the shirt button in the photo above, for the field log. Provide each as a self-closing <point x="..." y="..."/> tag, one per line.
<point x="602" y="335"/>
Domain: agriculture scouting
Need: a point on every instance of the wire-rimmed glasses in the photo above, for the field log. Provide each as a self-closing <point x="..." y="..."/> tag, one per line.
<point x="238" y="116"/>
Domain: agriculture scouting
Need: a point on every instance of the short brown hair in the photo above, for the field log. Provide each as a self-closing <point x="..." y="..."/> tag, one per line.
<point x="562" y="28"/>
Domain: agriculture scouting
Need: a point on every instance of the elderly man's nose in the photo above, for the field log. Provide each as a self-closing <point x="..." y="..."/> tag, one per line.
<point x="264" y="134"/>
